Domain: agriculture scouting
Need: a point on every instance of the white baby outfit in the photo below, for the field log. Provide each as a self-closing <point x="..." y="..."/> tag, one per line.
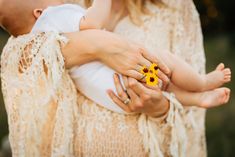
<point x="91" y="79"/>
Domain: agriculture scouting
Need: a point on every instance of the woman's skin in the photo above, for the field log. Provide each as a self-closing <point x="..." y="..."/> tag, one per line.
<point x="121" y="55"/>
<point x="144" y="99"/>
<point x="85" y="46"/>
<point x="117" y="53"/>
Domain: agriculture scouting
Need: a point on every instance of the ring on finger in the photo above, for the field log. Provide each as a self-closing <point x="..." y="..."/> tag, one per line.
<point x="127" y="101"/>
<point x="127" y="94"/>
<point x="142" y="77"/>
<point x="160" y="84"/>
<point x="140" y="68"/>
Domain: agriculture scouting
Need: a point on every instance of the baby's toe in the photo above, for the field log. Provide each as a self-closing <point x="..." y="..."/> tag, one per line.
<point x="227" y="99"/>
<point x="227" y="95"/>
<point x="227" y="74"/>
<point x="227" y="78"/>
<point x="220" y="66"/>
<point x="227" y="71"/>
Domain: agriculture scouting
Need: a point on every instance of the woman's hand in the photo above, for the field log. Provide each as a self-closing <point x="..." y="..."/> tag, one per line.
<point x="128" y="58"/>
<point x="125" y="57"/>
<point x="143" y="98"/>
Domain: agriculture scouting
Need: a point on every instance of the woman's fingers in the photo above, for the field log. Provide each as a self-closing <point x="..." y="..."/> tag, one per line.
<point x="144" y="62"/>
<point x="125" y="81"/>
<point x="164" y="79"/>
<point x="137" y="87"/>
<point x="120" y="90"/>
<point x="135" y="74"/>
<point x="122" y="95"/>
<point x="133" y="96"/>
<point x="117" y="101"/>
<point x="135" y="104"/>
<point x="164" y="71"/>
<point x="152" y="87"/>
<point x="144" y="92"/>
<point x="162" y="66"/>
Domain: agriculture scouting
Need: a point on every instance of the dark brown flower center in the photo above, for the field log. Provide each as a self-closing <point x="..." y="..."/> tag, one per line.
<point x="152" y="79"/>
<point x="145" y="70"/>
<point x="156" y="68"/>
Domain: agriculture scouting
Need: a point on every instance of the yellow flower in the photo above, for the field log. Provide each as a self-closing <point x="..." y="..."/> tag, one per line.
<point x="154" y="69"/>
<point x="144" y="70"/>
<point x="151" y="79"/>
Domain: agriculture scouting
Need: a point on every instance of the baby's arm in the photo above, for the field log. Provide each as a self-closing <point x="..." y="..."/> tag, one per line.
<point x="97" y="15"/>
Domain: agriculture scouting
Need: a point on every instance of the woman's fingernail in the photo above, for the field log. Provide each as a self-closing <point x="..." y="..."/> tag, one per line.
<point x="116" y="76"/>
<point x="109" y="92"/>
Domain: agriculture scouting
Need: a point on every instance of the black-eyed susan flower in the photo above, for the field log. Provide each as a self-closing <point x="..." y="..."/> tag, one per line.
<point x="151" y="79"/>
<point x="144" y="70"/>
<point x="154" y="69"/>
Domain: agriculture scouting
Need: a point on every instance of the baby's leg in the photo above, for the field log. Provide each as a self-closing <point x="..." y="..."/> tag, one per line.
<point x="218" y="77"/>
<point x="207" y="99"/>
<point x="184" y="76"/>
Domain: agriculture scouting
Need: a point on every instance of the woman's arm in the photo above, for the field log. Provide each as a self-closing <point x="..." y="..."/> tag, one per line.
<point x="119" y="54"/>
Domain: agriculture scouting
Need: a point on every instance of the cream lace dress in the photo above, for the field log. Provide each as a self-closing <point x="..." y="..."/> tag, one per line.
<point x="47" y="117"/>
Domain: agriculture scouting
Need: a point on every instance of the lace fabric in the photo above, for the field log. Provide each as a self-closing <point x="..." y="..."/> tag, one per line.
<point x="39" y="96"/>
<point x="47" y="117"/>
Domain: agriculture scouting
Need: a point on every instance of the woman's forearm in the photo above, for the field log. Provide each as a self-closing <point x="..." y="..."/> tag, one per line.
<point x="90" y="45"/>
<point x="123" y="56"/>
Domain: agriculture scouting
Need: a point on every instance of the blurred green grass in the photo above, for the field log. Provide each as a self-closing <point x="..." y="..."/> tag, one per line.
<point x="220" y="122"/>
<point x="3" y="116"/>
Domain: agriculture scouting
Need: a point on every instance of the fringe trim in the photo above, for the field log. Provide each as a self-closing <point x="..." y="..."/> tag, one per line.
<point x="148" y="128"/>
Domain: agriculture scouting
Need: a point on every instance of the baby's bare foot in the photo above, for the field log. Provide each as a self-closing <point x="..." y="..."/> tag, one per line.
<point x="214" y="98"/>
<point x="218" y="77"/>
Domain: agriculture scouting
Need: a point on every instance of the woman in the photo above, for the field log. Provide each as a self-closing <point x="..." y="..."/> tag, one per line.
<point x="39" y="95"/>
<point x="89" y="130"/>
<point x="159" y="25"/>
<point x="164" y="25"/>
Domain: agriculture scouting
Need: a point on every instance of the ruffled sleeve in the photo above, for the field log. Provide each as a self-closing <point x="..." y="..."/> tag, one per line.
<point x="39" y="96"/>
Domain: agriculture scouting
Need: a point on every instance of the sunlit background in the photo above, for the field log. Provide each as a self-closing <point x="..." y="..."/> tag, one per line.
<point x="218" y="22"/>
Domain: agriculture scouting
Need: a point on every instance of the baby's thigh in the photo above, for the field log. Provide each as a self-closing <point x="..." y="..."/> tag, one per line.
<point x="168" y="58"/>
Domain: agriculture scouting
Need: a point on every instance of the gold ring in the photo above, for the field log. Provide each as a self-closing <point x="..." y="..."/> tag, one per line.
<point x="142" y="78"/>
<point x="139" y="68"/>
<point x="127" y="101"/>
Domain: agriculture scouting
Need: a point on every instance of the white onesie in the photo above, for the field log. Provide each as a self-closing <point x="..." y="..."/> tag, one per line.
<point x="92" y="79"/>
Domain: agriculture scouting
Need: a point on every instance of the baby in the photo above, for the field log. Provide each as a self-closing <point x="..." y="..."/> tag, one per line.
<point x="94" y="79"/>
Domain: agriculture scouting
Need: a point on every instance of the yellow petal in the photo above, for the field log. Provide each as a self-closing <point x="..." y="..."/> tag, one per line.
<point x="151" y="79"/>
<point x="154" y="68"/>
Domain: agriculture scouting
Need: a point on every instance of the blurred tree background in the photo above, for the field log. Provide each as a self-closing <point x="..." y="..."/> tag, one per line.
<point x="218" y="23"/>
